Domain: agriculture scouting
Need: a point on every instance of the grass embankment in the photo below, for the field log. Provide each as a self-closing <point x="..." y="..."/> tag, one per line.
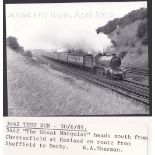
<point x="37" y="90"/>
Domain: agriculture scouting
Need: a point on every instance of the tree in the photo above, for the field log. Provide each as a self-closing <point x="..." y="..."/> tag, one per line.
<point x="12" y="43"/>
<point x="122" y="22"/>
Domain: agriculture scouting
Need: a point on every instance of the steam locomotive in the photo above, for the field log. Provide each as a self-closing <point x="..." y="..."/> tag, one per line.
<point x="102" y="64"/>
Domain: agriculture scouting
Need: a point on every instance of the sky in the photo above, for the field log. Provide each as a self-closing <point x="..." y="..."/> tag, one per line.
<point x="64" y="25"/>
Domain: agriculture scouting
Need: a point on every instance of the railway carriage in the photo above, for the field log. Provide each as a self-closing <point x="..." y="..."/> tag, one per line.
<point x="76" y="59"/>
<point x="54" y="55"/>
<point x="63" y="57"/>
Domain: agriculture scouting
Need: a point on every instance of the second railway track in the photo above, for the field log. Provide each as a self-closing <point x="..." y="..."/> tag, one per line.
<point x="139" y="71"/>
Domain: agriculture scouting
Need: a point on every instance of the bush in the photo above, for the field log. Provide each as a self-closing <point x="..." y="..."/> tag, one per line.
<point x="28" y="53"/>
<point x="118" y="33"/>
<point x="21" y="50"/>
<point x="123" y="54"/>
<point x="142" y="29"/>
<point x="139" y="51"/>
<point x="145" y="41"/>
<point x="126" y="44"/>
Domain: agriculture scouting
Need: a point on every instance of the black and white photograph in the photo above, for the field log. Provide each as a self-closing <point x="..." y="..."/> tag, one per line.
<point x="78" y="59"/>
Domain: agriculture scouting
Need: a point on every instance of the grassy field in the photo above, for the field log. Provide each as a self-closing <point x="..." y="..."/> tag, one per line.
<point x="37" y="90"/>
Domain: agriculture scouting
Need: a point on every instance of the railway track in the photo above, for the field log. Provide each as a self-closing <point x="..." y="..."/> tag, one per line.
<point x="132" y="90"/>
<point x="136" y="84"/>
<point x="139" y="71"/>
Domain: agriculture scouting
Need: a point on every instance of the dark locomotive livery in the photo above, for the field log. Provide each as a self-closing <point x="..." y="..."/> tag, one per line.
<point x="101" y="64"/>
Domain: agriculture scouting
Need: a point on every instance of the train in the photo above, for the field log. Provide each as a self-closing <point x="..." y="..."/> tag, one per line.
<point x="108" y="65"/>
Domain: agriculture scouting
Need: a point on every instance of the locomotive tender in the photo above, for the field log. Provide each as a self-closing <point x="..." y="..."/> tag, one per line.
<point x="101" y="64"/>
